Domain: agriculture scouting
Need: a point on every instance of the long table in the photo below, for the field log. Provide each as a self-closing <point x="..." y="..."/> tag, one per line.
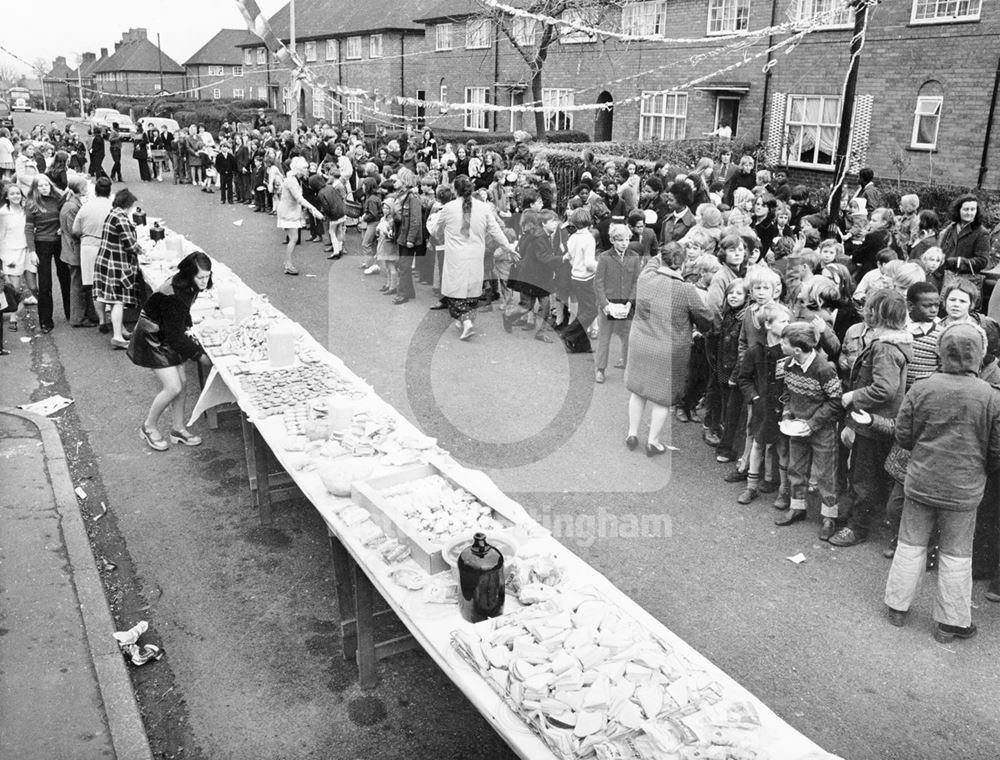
<point x="361" y="575"/>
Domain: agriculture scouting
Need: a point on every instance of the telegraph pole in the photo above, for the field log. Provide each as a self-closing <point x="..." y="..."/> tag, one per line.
<point x="842" y="160"/>
<point x="79" y="84"/>
<point x="294" y="74"/>
<point x="159" y="53"/>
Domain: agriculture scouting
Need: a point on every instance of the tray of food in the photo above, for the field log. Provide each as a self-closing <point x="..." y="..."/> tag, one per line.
<point x="423" y="507"/>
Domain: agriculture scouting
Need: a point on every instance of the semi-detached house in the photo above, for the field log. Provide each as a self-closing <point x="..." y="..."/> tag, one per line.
<point x="216" y="70"/>
<point x="926" y="106"/>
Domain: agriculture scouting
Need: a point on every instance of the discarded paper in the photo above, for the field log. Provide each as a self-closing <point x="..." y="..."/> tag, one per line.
<point x="798" y="559"/>
<point x="238" y="223"/>
<point x="80" y="492"/>
<point x="47" y="407"/>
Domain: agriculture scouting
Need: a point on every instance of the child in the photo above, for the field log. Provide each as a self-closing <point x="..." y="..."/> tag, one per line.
<point x="886" y="265"/>
<point x="695" y="244"/>
<point x="615" y="284"/>
<point x="582" y="257"/>
<point x="258" y="180"/>
<point x="726" y="361"/>
<point x="274" y="178"/>
<point x="817" y="301"/>
<point x="20" y="267"/>
<point x="732" y="254"/>
<point x="812" y="395"/>
<point x="764" y="287"/>
<point x="761" y="385"/>
<point x="878" y="383"/>
<point x="953" y="447"/>
<point x="832" y="252"/>
<point x="387" y="253"/>
<point x="225" y="165"/>
<point x="370" y="215"/>
<point x="742" y="214"/>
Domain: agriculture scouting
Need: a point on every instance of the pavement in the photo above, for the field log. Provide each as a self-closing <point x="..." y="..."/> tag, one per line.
<point x="64" y="688"/>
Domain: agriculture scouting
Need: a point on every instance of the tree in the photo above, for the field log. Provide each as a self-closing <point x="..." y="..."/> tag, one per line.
<point x="9" y="73"/>
<point x="588" y="12"/>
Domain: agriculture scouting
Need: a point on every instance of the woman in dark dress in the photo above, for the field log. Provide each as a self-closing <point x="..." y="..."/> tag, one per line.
<point x="97" y="154"/>
<point x="161" y="343"/>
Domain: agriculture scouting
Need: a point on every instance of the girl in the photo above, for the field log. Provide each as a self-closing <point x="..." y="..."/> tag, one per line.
<point x="731" y="403"/>
<point x="160" y="343"/>
<point x="877" y="385"/>
<point x="387" y="254"/>
<point x="732" y="254"/>
<point x="932" y="260"/>
<point x="536" y="272"/>
<point x="44" y="240"/>
<point x="19" y="266"/>
<point x="582" y="256"/>
<point x="742" y="213"/>
<point x="764" y="223"/>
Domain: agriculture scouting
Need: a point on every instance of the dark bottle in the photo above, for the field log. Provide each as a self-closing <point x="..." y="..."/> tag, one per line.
<point x="480" y="580"/>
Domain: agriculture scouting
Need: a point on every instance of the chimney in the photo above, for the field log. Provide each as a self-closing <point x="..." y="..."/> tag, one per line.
<point x="60" y="59"/>
<point x="88" y="58"/>
<point x="104" y="52"/>
<point x="117" y="45"/>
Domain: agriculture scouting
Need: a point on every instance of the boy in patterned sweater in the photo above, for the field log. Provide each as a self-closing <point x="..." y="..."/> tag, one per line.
<point x="812" y="396"/>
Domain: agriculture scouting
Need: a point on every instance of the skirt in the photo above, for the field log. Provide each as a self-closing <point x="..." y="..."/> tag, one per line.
<point x="88" y="257"/>
<point x="146" y="349"/>
<point x="462" y="308"/>
<point x="16" y="263"/>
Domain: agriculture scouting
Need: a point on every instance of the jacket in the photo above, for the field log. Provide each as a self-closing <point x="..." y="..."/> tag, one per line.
<point x="616" y="277"/>
<point x="728" y="356"/>
<point x="953" y="444"/>
<point x="70" y="252"/>
<point x="878" y="375"/>
<point x="539" y="260"/>
<point x="225" y="163"/>
<point x="674" y="228"/>
<point x="965" y="247"/>
<point x="762" y="386"/>
<point x="411" y="221"/>
<point x="863" y="254"/>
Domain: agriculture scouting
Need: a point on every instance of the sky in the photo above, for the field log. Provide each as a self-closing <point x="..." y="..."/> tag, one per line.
<point x="70" y="27"/>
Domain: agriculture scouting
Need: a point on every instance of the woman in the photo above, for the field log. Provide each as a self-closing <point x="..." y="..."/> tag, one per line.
<point x="97" y="154"/>
<point x="291" y="206"/>
<point x="193" y="147"/>
<point x="667" y="310"/>
<point x="41" y="231"/>
<point x="81" y="307"/>
<point x="6" y="154"/>
<point x="140" y="152"/>
<point x="764" y="223"/>
<point x="87" y="228"/>
<point x="925" y="236"/>
<point x="161" y="343"/>
<point x="429" y="147"/>
<point x="19" y="266"/>
<point x="57" y="172"/>
<point x="117" y="265"/>
<point x="966" y="240"/>
<point x="465" y="224"/>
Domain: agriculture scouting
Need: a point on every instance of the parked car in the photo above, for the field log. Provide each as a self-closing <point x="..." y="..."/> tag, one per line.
<point x="6" y="116"/>
<point x="126" y="127"/>
<point x="159" y="123"/>
<point x="104" y="117"/>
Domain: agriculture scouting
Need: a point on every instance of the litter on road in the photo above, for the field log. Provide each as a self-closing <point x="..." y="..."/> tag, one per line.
<point x="47" y="407"/>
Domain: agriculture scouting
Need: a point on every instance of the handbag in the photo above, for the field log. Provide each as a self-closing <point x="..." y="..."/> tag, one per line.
<point x="972" y="278"/>
<point x="353" y="209"/>
<point x="11" y="299"/>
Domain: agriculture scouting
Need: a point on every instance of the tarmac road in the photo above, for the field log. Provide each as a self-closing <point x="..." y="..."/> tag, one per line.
<point x="247" y="616"/>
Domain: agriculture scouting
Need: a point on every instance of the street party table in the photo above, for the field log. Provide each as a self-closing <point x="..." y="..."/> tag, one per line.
<point x="573" y="668"/>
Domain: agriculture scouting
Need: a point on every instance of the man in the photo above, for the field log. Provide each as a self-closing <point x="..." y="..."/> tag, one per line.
<point x="97" y="154"/>
<point x="679" y="220"/>
<point x="115" y="145"/>
<point x="260" y="120"/>
<point x="867" y="189"/>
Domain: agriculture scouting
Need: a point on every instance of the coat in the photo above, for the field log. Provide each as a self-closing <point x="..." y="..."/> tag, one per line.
<point x="674" y="228"/>
<point x="666" y="310"/>
<point x="878" y="375"/>
<point x="290" y="204"/>
<point x="539" y="259"/>
<point x="411" y="224"/>
<point x="464" y="254"/>
<point x="70" y="252"/>
<point x="965" y="247"/>
<point x="117" y="265"/>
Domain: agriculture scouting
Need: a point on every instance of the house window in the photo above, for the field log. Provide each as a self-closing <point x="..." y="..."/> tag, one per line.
<point x="261" y="56"/>
<point x="644" y="18"/>
<point x="248" y="57"/>
<point x="812" y="126"/>
<point x="353" y="48"/>
<point x="554" y="101"/>
<point x="331" y="50"/>
<point x="442" y="37"/>
<point x="728" y="16"/>
<point x="238" y="93"/>
<point x="318" y="103"/>
<point x="570" y="36"/>
<point x="216" y="94"/>
<point x="352" y="106"/>
<point x="477" y="34"/>
<point x="237" y="71"/>
<point x="806" y="10"/>
<point x="663" y="116"/>
<point x="926" y="120"/>
<point x="443" y="98"/>
<point x="216" y="71"/>
<point x="375" y="46"/>
<point x="475" y="118"/>
<point x="938" y="11"/>
<point x="524" y="31"/>
<point x="309" y="50"/>
<point x="262" y="92"/>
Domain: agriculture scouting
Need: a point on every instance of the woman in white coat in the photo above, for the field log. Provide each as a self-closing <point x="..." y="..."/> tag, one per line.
<point x="465" y="224"/>
<point x="291" y="206"/>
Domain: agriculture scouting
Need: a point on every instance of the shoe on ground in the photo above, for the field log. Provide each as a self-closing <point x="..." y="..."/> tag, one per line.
<point x="373" y="269"/>
<point x="710" y="438"/>
<point x="599" y="377"/>
<point x="467" y="332"/>
<point x="30" y="301"/>
<point x="153" y="439"/>
<point x="827" y="529"/>
<point x="845" y="537"/>
<point x="768" y="486"/>
<point x="790" y="517"/>
<point x="400" y="299"/>
<point x="992" y="593"/>
<point x="693" y="416"/>
<point x="723" y="457"/>
<point x="944" y="634"/>
<point x="896" y="617"/>
<point x="890" y="551"/>
<point x="782" y="501"/>
<point x="682" y="415"/>
<point x="119" y="345"/>
<point x="620" y="364"/>
<point x="631" y="442"/>
<point x="735" y="476"/>
<point x="291" y="271"/>
<point x="183" y="436"/>
<point x="747" y="496"/>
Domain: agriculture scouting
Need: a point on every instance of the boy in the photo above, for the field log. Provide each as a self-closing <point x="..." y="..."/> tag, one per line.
<point x="225" y="165"/>
<point x="615" y="284"/>
<point x="761" y="384"/>
<point x="813" y="396"/>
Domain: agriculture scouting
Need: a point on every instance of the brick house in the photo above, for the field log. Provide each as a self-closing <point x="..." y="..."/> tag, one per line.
<point x="136" y="67"/>
<point x="216" y="69"/>
<point x="375" y="46"/>
<point x="60" y="83"/>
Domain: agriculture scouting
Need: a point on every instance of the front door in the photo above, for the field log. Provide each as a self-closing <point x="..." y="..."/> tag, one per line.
<point x="727" y="113"/>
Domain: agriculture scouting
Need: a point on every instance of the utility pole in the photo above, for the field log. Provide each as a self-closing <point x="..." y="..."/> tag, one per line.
<point x="294" y="74"/>
<point x="159" y="53"/>
<point x="79" y="83"/>
<point x="843" y="159"/>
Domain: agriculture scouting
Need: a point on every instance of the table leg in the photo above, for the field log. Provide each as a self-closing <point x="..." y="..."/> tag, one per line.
<point x="248" y="451"/>
<point x="343" y="578"/>
<point x="364" y="594"/>
<point x="263" y="486"/>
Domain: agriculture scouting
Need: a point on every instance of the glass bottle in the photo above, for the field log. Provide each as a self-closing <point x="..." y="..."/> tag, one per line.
<point x="480" y="580"/>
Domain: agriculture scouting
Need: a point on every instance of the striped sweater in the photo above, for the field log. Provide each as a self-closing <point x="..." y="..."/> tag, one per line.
<point x="812" y="394"/>
<point x="924" y="361"/>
